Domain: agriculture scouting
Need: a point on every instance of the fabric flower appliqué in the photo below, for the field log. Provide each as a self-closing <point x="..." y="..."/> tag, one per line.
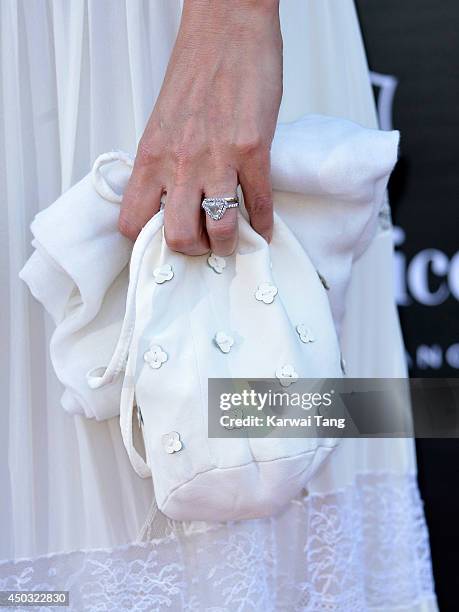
<point x="171" y="442"/>
<point x="266" y="293"/>
<point x="223" y="341"/>
<point x="217" y="263"/>
<point x="155" y="357"/>
<point x="163" y="273"/>
<point x="305" y="333"/>
<point x="286" y="375"/>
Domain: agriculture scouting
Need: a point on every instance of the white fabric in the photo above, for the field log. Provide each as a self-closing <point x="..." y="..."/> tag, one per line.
<point x="329" y="175"/>
<point x="343" y="170"/>
<point x="254" y="565"/>
<point x="254" y="477"/>
<point x="79" y="78"/>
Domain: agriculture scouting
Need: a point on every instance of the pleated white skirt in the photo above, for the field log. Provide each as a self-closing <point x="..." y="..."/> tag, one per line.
<point x="78" y="78"/>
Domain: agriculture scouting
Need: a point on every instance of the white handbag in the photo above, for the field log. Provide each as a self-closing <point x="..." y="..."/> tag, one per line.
<point x="261" y="313"/>
<point x="193" y="318"/>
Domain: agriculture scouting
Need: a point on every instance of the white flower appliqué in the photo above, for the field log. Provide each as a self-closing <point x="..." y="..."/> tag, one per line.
<point x="217" y="263"/>
<point x="266" y="293"/>
<point x="171" y="442"/>
<point x="305" y="333"/>
<point x="223" y="341"/>
<point x="155" y="357"/>
<point x="163" y="273"/>
<point x="286" y="375"/>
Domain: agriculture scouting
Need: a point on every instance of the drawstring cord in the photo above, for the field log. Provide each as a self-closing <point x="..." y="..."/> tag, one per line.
<point x="100" y="377"/>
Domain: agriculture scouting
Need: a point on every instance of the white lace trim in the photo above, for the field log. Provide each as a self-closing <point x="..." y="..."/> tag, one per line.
<point x="359" y="548"/>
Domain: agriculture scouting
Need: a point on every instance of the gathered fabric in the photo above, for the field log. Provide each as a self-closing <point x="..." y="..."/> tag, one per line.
<point x="329" y="177"/>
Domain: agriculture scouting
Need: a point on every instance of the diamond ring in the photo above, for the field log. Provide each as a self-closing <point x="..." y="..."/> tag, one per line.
<point x="216" y="207"/>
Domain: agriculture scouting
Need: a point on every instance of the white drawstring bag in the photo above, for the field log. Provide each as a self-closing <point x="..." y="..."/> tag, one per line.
<point x="193" y="318"/>
<point x="261" y="313"/>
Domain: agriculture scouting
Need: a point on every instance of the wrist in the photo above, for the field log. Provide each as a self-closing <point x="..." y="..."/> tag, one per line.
<point x="232" y="5"/>
<point x="213" y="18"/>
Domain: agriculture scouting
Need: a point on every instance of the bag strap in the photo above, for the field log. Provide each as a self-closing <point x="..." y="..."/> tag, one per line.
<point x="126" y="415"/>
<point x="95" y="378"/>
<point x="100" y="377"/>
<point x="99" y="181"/>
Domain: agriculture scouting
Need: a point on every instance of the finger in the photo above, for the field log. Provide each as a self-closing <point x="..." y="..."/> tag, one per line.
<point x="255" y="179"/>
<point x="141" y="200"/>
<point x="183" y="224"/>
<point x="222" y="233"/>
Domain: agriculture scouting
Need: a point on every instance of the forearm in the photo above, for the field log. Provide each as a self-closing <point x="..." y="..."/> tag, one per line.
<point x="221" y="43"/>
<point x="212" y="126"/>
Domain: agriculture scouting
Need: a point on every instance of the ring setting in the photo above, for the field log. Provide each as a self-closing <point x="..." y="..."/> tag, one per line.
<point x="216" y="207"/>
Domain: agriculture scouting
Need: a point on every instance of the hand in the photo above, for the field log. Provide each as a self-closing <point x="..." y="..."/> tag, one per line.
<point x="212" y="127"/>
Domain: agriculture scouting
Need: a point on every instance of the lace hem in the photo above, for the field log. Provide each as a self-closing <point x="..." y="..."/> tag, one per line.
<point x="362" y="547"/>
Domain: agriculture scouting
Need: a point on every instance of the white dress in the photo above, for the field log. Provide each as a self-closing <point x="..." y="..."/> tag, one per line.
<point x="79" y="78"/>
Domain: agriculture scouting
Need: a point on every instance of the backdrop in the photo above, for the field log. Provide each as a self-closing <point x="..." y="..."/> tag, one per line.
<point x="412" y="49"/>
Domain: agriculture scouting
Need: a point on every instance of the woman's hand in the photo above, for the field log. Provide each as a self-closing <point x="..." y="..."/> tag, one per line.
<point x="211" y="127"/>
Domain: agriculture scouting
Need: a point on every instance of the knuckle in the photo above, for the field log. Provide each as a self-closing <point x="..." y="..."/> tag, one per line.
<point x="261" y="203"/>
<point x="127" y="227"/>
<point x="249" y="146"/>
<point x="251" y="143"/>
<point x="148" y="152"/>
<point x="180" y="241"/>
